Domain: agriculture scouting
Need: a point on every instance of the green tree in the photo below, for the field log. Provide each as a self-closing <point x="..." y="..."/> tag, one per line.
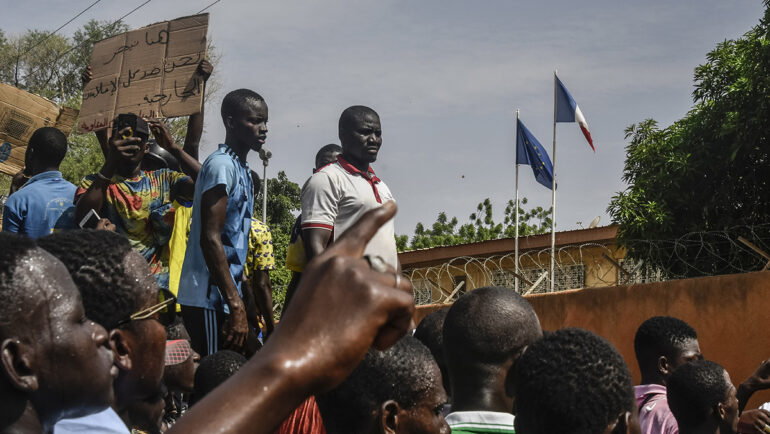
<point x="707" y="171"/>
<point x="282" y="203"/>
<point x="50" y="65"/>
<point x="482" y="227"/>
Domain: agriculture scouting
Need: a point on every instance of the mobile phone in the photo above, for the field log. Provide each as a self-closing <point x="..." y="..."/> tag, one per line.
<point x="90" y="220"/>
<point x="122" y="121"/>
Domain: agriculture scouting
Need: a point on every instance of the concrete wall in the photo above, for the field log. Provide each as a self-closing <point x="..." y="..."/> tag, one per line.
<point x="730" y="313"/>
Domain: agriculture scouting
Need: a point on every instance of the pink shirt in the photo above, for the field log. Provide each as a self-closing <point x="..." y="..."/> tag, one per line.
<point x="654" y="416"/>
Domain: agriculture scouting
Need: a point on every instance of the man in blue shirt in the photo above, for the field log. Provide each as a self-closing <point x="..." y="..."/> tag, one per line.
<point x="210" y="289"/>
<point x="44" y="203"/>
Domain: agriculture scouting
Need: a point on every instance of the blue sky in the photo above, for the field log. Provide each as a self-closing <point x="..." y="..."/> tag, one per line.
<point x="446" y="78"/>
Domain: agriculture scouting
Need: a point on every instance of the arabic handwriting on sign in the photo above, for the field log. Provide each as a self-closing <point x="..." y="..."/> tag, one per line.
<point x="157" y="98"/>
<point x="155" y="71"/>
<point x="96" y="124"/>
<point x="184" y="61"/>
<point x="188" y="91"/>
<point x="162" y="37"/>
<point x="131" y="76"/>
<point x="121" y="50"/>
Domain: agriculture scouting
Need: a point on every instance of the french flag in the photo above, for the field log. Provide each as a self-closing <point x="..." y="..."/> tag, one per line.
<point x="567" y="110"/>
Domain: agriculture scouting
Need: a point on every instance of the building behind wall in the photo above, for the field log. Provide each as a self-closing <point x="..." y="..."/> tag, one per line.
<point x="584" y="258"/>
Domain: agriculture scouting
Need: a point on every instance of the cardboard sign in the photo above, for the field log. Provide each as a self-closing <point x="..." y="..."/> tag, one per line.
<point x="21" y="114"/>
<point x="148" y="71"/>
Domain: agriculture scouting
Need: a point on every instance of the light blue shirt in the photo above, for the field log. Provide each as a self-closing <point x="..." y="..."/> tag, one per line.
<point x="196" y="285"/>
<point x="105" y="422"/>
<point x="41" y="206"/>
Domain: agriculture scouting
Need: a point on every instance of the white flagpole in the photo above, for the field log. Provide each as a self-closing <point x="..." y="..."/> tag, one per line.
<point x="553" y="187"/>
<point x="516" y="255"/>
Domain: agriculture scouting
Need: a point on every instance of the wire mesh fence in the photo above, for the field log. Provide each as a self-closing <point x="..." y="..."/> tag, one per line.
<point x="736" y="250"/>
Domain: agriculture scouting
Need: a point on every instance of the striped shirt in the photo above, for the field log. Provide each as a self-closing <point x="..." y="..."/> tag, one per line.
<point x="480" y="422"/>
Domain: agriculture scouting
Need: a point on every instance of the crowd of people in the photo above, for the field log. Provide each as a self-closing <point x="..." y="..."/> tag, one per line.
<point x="140" y="301"/>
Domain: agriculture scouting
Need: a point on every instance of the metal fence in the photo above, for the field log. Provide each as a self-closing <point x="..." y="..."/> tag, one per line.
<point x="736" y="250"/>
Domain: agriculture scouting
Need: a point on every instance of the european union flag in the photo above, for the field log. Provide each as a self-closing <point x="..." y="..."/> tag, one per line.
<point x="530" y="151"/>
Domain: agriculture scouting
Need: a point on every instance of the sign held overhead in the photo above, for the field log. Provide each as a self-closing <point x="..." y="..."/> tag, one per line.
<point x="21" y="114"/>
<point x="149" y="71"/>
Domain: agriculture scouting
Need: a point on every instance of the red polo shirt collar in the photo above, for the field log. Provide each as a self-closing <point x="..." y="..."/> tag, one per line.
<point x="369" y="175"/>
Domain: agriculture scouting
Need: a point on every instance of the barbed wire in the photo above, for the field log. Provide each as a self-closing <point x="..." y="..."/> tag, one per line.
<point x="694" y="254"/>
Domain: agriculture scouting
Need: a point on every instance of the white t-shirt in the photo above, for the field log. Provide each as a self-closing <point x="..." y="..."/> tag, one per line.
<point x="337" y="195"/>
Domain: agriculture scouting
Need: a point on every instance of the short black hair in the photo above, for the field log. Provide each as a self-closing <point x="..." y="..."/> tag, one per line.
<point x="49" y="145"/>
<point x="14" y="282"/>
<point x="95" y="261"/>
<point x="353" y="113"/>
<point x="238" y="101"/>
<point x="660" y="336"/>
<point x="488" y="326"/>
<point x="325" y="150"/>
<point x="402" y="374"/>
<point x="694" y="389"/>
<point x="256" y="184"/>
<point x="176" y="330"/>
<point x="214" y="370"/>
<point x="571" y="381"/>
<point x="429" y="332"/>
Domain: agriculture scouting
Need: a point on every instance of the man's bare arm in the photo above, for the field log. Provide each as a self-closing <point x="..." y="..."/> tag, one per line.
<point x="315" y="240"/>
<point x="213" y="212"/>
<point x="192" y="139"/>
<point x="263" y="297"/>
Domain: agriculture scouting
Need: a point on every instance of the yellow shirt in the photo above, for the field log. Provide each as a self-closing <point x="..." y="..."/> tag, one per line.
<point x="260" y="256"/>
<point x="178" y="245"/>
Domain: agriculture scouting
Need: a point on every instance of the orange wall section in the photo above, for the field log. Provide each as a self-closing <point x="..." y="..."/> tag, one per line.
<point x="730" y="313"/>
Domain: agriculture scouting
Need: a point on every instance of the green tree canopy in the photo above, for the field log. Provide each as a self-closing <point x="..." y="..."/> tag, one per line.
<point x="482" y="227"/>
<point x="709" y="170"/>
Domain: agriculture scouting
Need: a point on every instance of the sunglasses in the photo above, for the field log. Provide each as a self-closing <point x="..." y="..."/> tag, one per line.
<point x="146" y="313"/>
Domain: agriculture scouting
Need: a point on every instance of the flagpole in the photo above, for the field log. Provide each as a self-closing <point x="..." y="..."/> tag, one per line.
<point x="516" y="244"/>
<point x="553" y="188"/>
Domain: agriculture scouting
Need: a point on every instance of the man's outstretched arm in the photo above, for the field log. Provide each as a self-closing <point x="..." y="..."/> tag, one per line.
<point x="308" y="354"/>
<point x="192" y="139"/>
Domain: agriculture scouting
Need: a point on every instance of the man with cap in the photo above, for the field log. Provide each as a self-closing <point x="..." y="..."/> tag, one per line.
<point x="139" y="202"/>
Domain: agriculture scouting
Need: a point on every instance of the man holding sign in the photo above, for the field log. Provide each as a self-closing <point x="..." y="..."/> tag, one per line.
<point x="138" y="202"/>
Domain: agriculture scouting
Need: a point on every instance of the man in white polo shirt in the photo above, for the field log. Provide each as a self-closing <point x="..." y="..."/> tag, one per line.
<point x="338" y="194"/>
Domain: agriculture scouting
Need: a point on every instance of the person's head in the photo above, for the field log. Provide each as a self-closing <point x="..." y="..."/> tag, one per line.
<point x="181" y="362"/>
<point x="327" y="155"/>
<point x="662" y="344"/>
<point x="146" y="415"/>
<point x="116" y="283"/>
<point x="139" y="129"/>
<point x="52" y="355"/>
<point x="256" y="184"/>
<point x="702" y="397"/>
<point x="429" y="332"/>
<point x="573" y="381"/>
<point x="393" y="391"/>
<point x="360" y="134"/>
<point x="214" y="370"/>
<point x="45" y="151"/>
<point x="485" y="332"/>
<point x="244" y="113"/>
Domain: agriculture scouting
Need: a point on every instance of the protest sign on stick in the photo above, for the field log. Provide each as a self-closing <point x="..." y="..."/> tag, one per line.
<point x="21" y="113"/>
<point x="149" y="71"/>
